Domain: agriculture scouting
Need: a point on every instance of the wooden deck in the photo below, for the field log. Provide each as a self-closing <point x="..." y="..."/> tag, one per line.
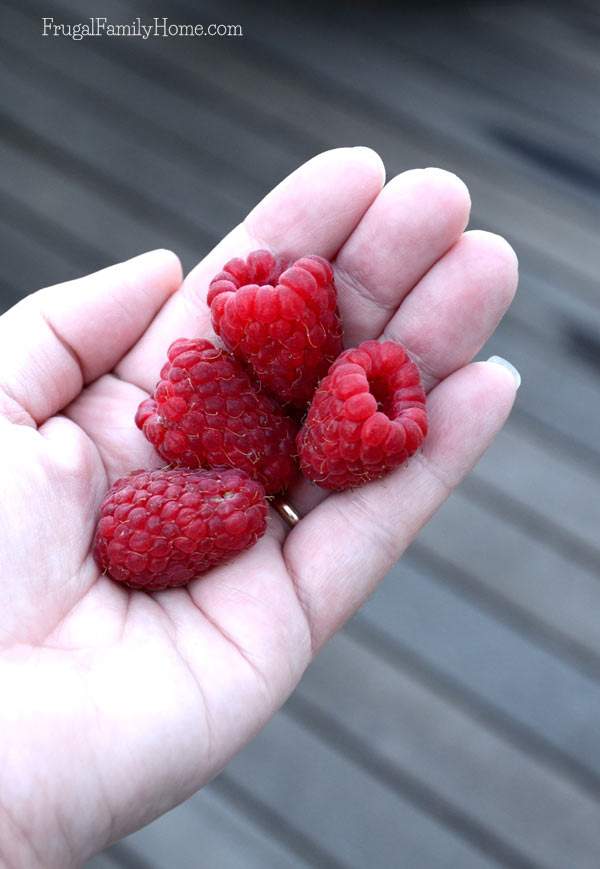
<point x="456" y="721"/>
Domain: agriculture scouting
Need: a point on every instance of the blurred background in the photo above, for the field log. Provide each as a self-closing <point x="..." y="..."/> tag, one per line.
<point x="455" y="722"/>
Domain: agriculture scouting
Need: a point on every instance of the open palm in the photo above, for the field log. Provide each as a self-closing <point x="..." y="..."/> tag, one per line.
<point x="117" y="704"/>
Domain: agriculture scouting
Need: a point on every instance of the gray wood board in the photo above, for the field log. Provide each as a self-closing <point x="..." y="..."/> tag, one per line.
<point x="500" y="789"/>
<point x="495" y="662"/>
<point x="340" y="805"/>
<point x="320" y="114"/>
<point x="494" y="561"/>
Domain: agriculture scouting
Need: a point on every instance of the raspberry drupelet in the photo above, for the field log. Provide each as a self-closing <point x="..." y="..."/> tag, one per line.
<point x="281" y="319"/>
<point x="161" y="529"/>
<point x="366" y="418"/>
<point x="207" y="412"/>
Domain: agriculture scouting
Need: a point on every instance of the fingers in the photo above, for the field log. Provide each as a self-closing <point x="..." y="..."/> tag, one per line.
<point x="341" y="549"/>
<point x="314" y="210"/>
<point x="316" y="207"/>
<point x="58" y="339"/>
<point x="417" y="217"/>
<point x="447" y="317"/>
<point x="454" y="309"/>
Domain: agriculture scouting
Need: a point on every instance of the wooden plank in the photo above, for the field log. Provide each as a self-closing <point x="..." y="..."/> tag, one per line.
<point x="22" y="212"/>
<point x="187" y="57"/>
<point x="7" y="295"/>
<point x="550" y="356"/>
<point x="551" y="297"/>
<point x="118" y="167"/>
<point x="312" y="122"/>
<point x="215" y="71"/>
<point x="342" y="807"/>
<point x="554" y="34"/>
<point x="539" y="476"/>
<point x="546" y="309"/>
<point x="127" y="858"/>
<point x="26" y="264"/>
<point x="585" y="22"/>
<point x="104" y="861"/>
<point x="208" y="831"/>
<point x="176" y="129"/>
<point x="196" y="120"/>
<point x="555" y="705"/>
<point x="86" y="99"/>
<point x="527" y="806"/>
<point x="410" y="122"/>
<point x="83" y="212"/>
<point x="498" y="565"/>
<point x="574" y="412"/>
<point x="513" y="115"/>
<point x="488" y="41"/>
<point x="542" y="338"/>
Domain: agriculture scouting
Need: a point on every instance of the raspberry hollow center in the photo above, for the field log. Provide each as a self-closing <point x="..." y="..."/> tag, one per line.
<point x="381" y="392"/>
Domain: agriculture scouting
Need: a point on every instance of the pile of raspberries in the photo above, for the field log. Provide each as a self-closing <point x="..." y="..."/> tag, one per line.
<point x="235" y="423"/>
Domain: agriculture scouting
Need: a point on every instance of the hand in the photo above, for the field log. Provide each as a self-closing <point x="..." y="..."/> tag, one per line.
<point x="117" y="704"/>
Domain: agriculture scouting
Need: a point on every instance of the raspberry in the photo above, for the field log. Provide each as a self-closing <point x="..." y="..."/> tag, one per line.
<point x="281" y="321"/>
<point x="366" y="418"/>
<point x="206" y="412"/>
<point x="160" y="529"/>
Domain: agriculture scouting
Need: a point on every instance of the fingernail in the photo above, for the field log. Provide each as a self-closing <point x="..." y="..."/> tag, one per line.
<point x="498" y="360"/>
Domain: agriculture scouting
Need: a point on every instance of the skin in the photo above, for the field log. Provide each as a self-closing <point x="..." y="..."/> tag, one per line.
<point x="117" y="705"/>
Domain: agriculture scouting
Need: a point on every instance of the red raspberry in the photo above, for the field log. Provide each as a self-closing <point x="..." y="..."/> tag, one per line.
<point x="206" y="411"/>
<point x="281" y="321"/>
<point x="160" y="529"/>
<point x="366" y="418"/>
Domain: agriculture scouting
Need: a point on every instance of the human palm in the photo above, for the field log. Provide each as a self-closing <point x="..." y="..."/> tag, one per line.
<point x="118" y="704"/>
